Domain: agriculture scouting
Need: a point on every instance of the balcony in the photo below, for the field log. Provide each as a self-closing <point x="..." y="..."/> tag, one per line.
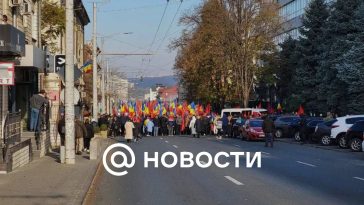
<point x="12" y="41"/>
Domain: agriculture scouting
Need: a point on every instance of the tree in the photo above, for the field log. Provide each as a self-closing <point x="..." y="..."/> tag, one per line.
<point x="350" y="67"/>
<point x="309" y="48"/>
<point x="337" y="34"/>
<point x="53" y="21"/>
<point x="255" y="24"/>
<point x="203" y="57"/>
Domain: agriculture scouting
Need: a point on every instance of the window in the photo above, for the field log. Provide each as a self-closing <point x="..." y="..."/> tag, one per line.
<point x="353" y="120"/>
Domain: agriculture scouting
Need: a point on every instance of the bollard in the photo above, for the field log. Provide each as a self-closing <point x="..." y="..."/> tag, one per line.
<point x="94" y="148"/>
<point x="62" y="154"/>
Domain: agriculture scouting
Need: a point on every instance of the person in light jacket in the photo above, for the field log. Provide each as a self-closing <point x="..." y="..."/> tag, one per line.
<point x="193" y="126"/>
<point x="150" y="126"/>
<point x="129" y="126"/>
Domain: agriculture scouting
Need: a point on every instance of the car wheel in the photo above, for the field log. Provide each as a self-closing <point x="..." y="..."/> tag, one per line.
<point x="325" y="140"/>
<point x="278" y="133"/>
<point x="342" y="141"/>
<point x="297" y="136"/>
<point x="355" y="144"/>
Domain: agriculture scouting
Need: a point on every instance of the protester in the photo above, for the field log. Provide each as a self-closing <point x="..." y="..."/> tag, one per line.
<point x="89" y="135"/>
<point x="192" y="126"/>
<point x="156" y="123"/>
<point x="36" y="103"/>
<point x="129" y="126"/>
<point x="268" y="129"/>
<point x="80" y="133"/>
<point x="199" y="126"/>
<point x="230" y="126"/>
<point x="170" y="125"/>
<point x="137" y="128"/>
<point x="150" y="126"/>
<point x="179" y="122"/>
<point x="225" y="123"/>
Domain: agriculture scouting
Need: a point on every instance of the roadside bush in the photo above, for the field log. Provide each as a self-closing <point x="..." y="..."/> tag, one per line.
<point x="97" y="129"/>
<point x="103" y="127"/>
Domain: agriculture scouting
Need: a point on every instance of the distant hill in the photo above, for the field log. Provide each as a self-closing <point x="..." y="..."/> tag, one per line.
<point x="148" y="82"/>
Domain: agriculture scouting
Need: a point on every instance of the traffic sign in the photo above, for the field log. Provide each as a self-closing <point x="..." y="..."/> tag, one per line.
<point x="60" y="62"/>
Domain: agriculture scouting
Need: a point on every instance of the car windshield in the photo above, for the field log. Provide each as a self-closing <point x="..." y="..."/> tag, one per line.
<point x="256" y="123"/>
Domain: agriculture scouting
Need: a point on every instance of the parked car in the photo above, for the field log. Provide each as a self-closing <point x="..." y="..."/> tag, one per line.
<point x="311" y="124"/>
<point x="354" y="136"/>
<point x="286" y="126"/>
<point x="339" y="128"/>
<point x="323" y="132"/>
<point x="253" y="130"/>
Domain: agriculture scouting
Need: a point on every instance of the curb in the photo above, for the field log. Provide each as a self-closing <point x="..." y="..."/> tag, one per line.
<point x="311" y="145"/>
<point x="91" y="189"/>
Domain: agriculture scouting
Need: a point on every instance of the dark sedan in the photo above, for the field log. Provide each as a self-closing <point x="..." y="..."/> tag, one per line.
<point x="323" y="132"/>
<point x="354" y="136"/>
<point x="311" y="124"/>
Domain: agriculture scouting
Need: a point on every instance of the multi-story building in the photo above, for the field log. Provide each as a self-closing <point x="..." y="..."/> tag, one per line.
<point x="292" y="12"/>
<point x="24" y="60"/>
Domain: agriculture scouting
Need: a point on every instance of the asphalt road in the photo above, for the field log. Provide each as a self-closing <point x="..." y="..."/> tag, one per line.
<point x="290" y="174"/>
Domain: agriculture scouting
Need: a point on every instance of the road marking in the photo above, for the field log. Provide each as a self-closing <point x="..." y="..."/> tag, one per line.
<point x="203" y="163"/>
<point x="166" y="141"/>
<point x="311" y="165"/>
<point x="265" y="153"/>
<point x="234" y="180"/>
<point x="237" y="145"/>
<point x="161" y="138"/>
<point x="359" y="178"/>
<point x="175" y="146"/>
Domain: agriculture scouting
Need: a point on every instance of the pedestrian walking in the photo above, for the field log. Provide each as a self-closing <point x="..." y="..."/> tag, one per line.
<point x="156" y="123"/>
<point x="80" y="134"/>
<point x="137" y="128"/>
<point x="268" y="129"/>
<point x="199" y="126"/>
<point x="192" y="126"/>
<point x="129" y="126"/>
<point x="179" y="122"/>
<point x="303" y="128"/>
<point x="225" y="123"/>
<point x="170" y="125"/>
<point x="89" y="135"/>
<point x="150" y="126"/>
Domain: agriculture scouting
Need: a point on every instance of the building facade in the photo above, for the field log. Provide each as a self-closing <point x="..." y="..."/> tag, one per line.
<point x="291" y="12"/>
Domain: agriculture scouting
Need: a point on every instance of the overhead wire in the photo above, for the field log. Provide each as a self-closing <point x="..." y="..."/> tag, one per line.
<point x="169" y="27"/>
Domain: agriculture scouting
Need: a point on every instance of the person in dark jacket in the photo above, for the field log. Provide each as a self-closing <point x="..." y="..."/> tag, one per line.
<point x="89" y="135"/>
<point x="37" y="101"/>
<point x="164" y="121"/>
<point x="61" y="128"/>
<point x="303" y="128"/>
<point x="268" y="129"/>
<point x="156" y="126"/>
<point x="80" y="133"/>
<point x="199" y="126"/>
<point x="225" y="123"/>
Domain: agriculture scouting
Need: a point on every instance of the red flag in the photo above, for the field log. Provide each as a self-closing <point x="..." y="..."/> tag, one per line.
<point x="300" y="111"/>
<point x="208" y="109"/>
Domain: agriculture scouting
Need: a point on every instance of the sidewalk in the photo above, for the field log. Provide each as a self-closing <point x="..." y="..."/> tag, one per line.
<point x="46" y="181"/>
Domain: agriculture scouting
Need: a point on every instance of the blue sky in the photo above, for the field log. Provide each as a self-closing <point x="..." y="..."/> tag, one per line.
<point x="141" y="17"/>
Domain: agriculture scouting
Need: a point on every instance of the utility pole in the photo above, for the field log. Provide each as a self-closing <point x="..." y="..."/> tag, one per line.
<point x="102" y="78"/>
<point x="94" y="67"/>
<point x="107" y="88"/>
<point x="69" y="81"/>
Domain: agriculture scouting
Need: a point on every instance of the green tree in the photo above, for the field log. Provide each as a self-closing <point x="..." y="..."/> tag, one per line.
<point x="53" y="21"/>
<point x="337" y="35"/>
<point x="350" y="66"/>
<point x="310" y="48"/>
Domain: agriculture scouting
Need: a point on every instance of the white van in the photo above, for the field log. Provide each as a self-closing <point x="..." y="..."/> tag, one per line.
<point x="236" y="112"/>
